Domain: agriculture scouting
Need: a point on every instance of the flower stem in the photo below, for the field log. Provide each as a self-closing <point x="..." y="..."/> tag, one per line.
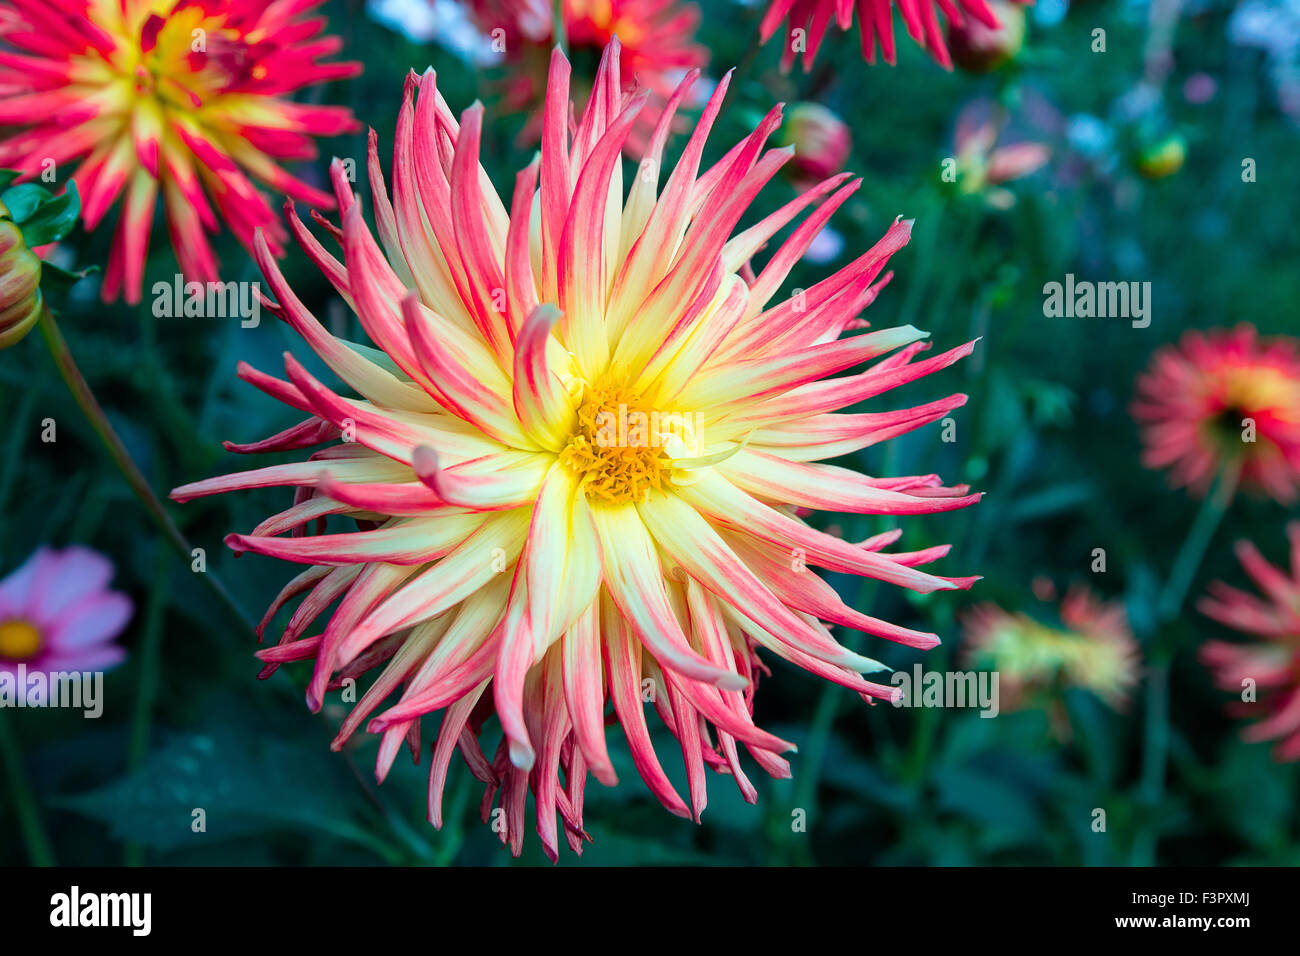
<point x="561" y="37"/>
<point x="1198" y="540"/>
<point x="85" y="399"/>
<point x="147" y="681"/>
<point x="1155" y="751"/>
<point x="20" y="788"/>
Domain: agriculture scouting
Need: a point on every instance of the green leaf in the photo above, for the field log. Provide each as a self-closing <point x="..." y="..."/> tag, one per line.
<point x="54" y="218"/>
<point x="243" y="779"/>
<point x="22" y="200"/>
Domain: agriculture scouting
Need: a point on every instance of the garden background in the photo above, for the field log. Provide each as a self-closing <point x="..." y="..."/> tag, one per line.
<point x="1047" y="433"/>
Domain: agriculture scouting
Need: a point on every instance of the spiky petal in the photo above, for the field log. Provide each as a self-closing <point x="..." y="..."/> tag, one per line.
<point x="1263" y="673"/>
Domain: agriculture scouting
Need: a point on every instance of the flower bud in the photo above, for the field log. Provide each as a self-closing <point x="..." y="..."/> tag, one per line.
<point x="1162" y="157"/>
<point x="20" y="283"/>
<point x="977" y="48"/>
<point x="820" y="139"/>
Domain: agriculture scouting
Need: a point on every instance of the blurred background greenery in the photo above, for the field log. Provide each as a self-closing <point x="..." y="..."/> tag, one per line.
<point x="1046" y="432"/>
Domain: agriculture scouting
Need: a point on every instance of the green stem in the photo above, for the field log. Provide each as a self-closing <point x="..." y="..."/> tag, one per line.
<point x="1198" y="540"/>
<point x="561" y="34"/>
<point x="1155" y="754"/>
<point x="20" y="788"/>
<point x="149" y="657"/>
<point x="13" y="449"/>
<point x="85" y="399"/>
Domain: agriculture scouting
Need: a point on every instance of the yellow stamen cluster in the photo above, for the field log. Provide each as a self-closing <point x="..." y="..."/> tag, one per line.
<point x="19" y="640"/>
<point x="1246" y="392"/>
<point x="613" y="450"/>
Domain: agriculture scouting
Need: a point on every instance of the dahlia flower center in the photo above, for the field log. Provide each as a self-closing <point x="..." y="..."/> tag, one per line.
<point x="618" y="447"/>
<point x="19" y="640"/>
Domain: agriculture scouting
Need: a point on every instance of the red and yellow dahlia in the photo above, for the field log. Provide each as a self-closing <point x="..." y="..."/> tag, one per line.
<point x="1270" y="667"/>
<point x="577" y="453"/>
<point x="183" y="97"/>
<point x="809" y="20"/>
<point x="1224" y="401"/>
<point x="658" y="46"/>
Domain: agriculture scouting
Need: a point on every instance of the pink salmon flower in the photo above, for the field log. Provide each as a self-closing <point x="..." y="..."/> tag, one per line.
<point x="58" y="614"/>
<point x="581" y="435"/>
<point x="1269" y="666"/>
<point x="808" y="21"/>
<point x="1224" y="400"/>
<point x="187" y="98"/>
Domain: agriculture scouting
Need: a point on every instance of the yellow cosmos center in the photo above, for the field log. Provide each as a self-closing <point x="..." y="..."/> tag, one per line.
<point x="616" y="448"/>
<point x="19" y="640"/>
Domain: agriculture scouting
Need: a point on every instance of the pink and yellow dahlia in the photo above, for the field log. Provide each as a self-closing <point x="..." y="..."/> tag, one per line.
<point x="577" y="452"/>
<point x="809" y="20"/>
<point x="1224" y="401"/>
<point x="1083" y="642"/>
<point x="58" y="614"/>
<point x="183" y="97"/>
<point x="658" y="47"/>
<point x="1271" y="666"/>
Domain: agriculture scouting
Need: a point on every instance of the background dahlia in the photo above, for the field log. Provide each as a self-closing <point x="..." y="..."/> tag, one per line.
<point x="1091" y="648"/>
<point x="1272" y="663"/>
<point x="808" y="21"/>
<point x="658" y="47"/>
<point x="577" y="453"/>
<point x="1224" y="401"/>
<point x="186" y="98"/>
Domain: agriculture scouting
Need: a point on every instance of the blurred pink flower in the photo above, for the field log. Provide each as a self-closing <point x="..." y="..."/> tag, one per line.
<point x="658" y="48"/>
<point x="809" y="20"/>
<point x="1271" y="665"/>
<point x="979" y="48"/>
<point x="1224" y="399"/>
<point x="982" y="164"/>
<point x="1093" y="648"/>
<point x="58" y="614"/>
<point x="821" y="142"/>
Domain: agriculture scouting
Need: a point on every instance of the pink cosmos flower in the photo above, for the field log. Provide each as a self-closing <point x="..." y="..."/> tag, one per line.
<point x="1271" y="665"/>
<point x="1224" y="399"/>
<point x="58" y="614"/>
<point x="809" y="20"/>
<point x="187" y="98"/>
<point x="658" y="47"/>
<point x="581" y="435"/>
